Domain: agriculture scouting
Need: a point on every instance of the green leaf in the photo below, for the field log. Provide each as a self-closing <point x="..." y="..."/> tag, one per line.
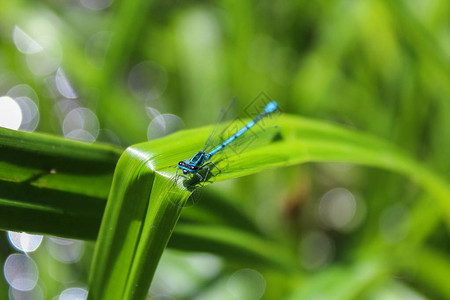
<point x="142" y="210"/>
<point x="145" y="203"/>
<point x="53" y="185"/>
<point x="50" y="162"/>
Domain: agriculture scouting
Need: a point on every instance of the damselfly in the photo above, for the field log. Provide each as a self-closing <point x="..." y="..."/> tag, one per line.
<point x="202" y="159"/>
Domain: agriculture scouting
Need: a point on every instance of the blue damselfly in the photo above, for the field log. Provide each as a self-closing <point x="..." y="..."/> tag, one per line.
<point x="201" y="161"/>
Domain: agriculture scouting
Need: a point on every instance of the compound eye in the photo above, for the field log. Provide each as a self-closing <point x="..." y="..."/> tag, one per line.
<point x="185" y="172"/>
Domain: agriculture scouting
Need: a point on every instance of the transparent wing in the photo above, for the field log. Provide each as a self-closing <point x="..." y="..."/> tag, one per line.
<point x="224" y="119"/>
<point x="253" y="138"/>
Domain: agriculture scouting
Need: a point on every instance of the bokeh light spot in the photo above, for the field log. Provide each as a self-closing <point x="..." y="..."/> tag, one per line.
<point x="64" y="86"/>
<point x="24" y="43"/>
<point x="10" y="113"/>
<point x="65" y="250"/>
<point x="337" y="208"/>
<point x="23" y="90"/>
<point x="30" y="114"/>
<point x="316" y="250"/>
<point x="47" y="61"/>
<point x="147" y="80"/>
<point x="27" y="99"/>
<point x="205" y="264"/>
<point x="80" y="121"/>
<point x="108" y="136"/>
<point x="246" y="284"/>
<point x="74" y="294"/>
<point x="163" y="125"/>
<point x="21" y="272"/>
<point x="81" y="135"/>
<point x="152" y="112"/>
<point x="34" y="294"/>
<point x="24" y="242"/>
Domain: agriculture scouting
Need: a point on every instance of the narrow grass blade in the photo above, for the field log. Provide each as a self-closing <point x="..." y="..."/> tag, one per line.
<point x="142" y="210"/>
<point x="53" y="185"/>
<point x="50" y="162"/>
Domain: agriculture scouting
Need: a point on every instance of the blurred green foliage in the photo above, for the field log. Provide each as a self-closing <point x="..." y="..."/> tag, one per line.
<point x="381" y="66"/>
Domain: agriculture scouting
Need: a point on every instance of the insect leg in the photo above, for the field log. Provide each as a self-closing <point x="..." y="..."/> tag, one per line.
<point x="199" y="176"/>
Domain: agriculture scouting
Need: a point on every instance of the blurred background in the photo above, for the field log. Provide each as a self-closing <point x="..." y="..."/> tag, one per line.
<point x="123" y="72"/>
